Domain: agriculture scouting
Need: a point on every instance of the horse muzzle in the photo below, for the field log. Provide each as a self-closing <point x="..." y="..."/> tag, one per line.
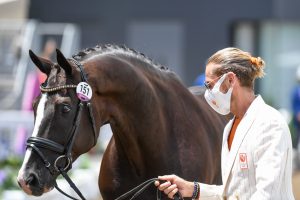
<point x="31" y="184"/>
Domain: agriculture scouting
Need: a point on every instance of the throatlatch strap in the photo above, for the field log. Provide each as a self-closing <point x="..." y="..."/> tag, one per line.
<point x="79" y="65"/>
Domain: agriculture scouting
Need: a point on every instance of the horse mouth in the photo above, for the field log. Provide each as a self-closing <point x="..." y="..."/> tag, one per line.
<point x="33" y="190"/>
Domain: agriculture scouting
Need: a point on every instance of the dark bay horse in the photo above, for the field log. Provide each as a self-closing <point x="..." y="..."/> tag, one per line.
<point x="159" y="127"/>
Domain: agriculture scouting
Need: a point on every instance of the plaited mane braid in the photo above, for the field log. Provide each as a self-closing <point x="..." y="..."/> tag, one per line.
<point x="111" y="48"/>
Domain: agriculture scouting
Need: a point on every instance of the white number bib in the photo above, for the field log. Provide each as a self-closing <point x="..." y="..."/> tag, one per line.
<point x="84" y="91"/>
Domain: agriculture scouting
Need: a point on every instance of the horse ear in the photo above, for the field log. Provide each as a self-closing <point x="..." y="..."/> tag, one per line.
<point x="63" y="62"/>
<point x="43" y="64"/>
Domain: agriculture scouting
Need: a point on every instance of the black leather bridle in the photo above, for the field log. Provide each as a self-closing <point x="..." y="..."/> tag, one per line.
<point x="65" y="152"/>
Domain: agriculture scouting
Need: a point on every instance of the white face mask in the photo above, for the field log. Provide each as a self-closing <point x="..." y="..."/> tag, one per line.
<point x="219" y="101"/>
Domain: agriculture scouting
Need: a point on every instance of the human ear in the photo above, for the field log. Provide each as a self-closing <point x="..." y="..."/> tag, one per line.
<point x="231" y="78"/>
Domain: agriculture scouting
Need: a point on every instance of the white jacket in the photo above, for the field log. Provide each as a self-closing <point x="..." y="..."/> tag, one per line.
<point x="259" y="164"/>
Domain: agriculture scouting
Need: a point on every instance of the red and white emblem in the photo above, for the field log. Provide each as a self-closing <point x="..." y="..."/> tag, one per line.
<point x="243" y="161"/>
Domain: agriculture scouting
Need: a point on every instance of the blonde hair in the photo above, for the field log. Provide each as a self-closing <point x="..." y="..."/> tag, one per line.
<point x="246" y="67"/>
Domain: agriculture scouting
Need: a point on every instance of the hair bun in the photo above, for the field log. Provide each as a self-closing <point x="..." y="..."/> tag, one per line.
<point x="258" y="62"/>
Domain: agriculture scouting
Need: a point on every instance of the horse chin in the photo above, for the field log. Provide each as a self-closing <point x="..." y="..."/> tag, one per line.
<point x="40" y="192"/>
<point x="48" y="189"/>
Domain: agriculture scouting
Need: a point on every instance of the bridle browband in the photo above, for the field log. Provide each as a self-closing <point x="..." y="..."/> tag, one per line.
<point x="65" y="152"/>
<point x="57" y="88"/>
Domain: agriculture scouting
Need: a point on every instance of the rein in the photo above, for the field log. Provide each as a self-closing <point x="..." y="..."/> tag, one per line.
<point x="135" y="192"/>
<point x="65" y="152"/>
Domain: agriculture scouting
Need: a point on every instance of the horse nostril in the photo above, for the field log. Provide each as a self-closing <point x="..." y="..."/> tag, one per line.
<point x="31" y="180"/>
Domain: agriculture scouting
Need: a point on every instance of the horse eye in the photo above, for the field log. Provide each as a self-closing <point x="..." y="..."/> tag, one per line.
<point x="66" y="109"/>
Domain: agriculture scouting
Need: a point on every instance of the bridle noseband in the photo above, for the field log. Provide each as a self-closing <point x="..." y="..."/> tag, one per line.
<point x="65" y="152"/>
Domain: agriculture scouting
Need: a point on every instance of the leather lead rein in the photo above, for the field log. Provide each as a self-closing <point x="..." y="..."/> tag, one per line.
<point x="135" y="192"/>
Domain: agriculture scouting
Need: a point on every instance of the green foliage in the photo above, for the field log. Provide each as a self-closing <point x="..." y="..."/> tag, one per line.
<point x="8" y="173"/>
<point x="12" y="161"/>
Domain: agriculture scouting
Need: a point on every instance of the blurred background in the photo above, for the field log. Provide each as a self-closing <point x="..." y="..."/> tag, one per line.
<point x="176" y="33"/>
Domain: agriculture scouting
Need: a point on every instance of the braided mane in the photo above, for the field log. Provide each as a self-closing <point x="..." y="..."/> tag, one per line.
<point x="116" y="49"/>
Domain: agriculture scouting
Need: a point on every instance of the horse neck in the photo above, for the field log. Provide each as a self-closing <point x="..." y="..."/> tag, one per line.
<point x="127" y="98"/>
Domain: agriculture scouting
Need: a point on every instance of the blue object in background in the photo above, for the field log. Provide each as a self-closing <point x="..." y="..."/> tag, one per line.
<point x="199" y="81"/>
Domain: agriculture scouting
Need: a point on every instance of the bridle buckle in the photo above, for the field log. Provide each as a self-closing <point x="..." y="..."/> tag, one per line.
<point x="69" y="161"/>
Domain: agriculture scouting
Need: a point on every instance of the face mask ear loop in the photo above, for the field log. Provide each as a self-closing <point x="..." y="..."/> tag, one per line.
<point x="219" y="82"/>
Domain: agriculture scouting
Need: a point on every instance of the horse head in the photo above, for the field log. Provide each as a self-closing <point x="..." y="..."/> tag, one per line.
<point x="64" y="125"/>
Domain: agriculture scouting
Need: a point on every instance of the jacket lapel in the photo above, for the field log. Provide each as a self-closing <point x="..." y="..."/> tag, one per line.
<point x="241" y="132"/>
<point x="225" y="150"/>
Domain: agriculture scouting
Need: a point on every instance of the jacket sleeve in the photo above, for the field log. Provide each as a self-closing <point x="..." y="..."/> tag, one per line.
<point x="270" y="158"/>
<point x="210" y="192"/>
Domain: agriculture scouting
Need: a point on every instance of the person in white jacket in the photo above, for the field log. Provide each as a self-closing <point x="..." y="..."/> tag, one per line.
<point x="256" y="157"/>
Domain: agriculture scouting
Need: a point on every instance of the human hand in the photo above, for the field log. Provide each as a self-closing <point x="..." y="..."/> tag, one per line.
<point x="174" y="184"/>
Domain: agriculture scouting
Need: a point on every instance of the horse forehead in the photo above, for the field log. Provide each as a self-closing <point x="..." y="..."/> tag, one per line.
<point x="55" y="99"/>
<point x="58" y="99"/>
<point x="56" y="77"/>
